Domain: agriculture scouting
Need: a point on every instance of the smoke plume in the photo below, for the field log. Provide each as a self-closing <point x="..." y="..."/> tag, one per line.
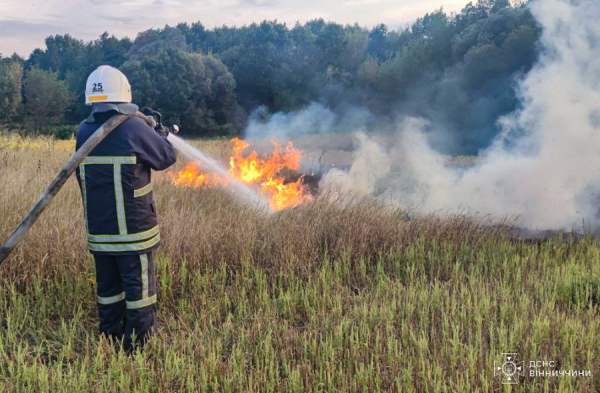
<point x="545" y="165"/>
<point x="313" y="119"/>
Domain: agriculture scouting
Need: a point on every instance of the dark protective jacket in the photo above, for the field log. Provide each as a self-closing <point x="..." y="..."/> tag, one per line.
<point x="116" y="186"/>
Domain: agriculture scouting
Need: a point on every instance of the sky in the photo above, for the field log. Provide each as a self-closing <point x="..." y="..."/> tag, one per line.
<point x="24" y="24"/>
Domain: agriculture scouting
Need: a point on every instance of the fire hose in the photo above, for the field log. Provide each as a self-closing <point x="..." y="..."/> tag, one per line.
<point x="70" y="167"/>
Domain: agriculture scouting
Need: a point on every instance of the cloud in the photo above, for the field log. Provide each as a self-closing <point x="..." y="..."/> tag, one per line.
<point x="15" y="33"/>
<point x="361" y="2"/>
<point x="16" y="28"/>
<point x="120" y="19"/>
<point x="33" y="20"/>
<point x="259" y="3"/>
<point x="119" y="2"/>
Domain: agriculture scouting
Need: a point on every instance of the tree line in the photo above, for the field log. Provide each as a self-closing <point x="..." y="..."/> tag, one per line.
<point x="457" y="70"/>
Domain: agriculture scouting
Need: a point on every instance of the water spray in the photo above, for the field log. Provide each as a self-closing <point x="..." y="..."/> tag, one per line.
<point x="153" y="119"/>
<point x="237" y="188"/>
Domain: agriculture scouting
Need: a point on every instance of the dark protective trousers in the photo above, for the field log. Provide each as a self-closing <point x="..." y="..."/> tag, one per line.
<point x="126" y="297"/>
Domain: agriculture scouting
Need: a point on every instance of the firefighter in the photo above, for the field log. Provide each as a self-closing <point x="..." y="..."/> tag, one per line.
<point x="119" y="211"/>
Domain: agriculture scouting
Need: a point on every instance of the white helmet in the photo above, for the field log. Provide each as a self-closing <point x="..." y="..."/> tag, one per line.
<point x="107" y="84"/>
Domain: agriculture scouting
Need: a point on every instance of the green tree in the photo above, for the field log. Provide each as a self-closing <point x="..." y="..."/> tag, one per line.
<point x="11" y="76"/>
<point x="113" y="50"/>
<point x="436" y="32"/>
<point x="74" y="60"/>
<point x="520" y="47"/>
<point x="407" y="69"/>
<point x="257" y="63"/>
<point x="63" y="53"/>
<point x="197" y="37"/>
<point x="150" y="42"/>
<point x="377" y="40"/>
<point x="196" y="91"/>
<point x="357" y="41"/>
<point x="46" y="97"/>
<point x="458" y="70"/>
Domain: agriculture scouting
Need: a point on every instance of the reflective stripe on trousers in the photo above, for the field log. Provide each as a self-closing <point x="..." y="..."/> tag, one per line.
<point x="126" y="295"/>
<point x="128" y="277"/>
<point x="111" y="299"/>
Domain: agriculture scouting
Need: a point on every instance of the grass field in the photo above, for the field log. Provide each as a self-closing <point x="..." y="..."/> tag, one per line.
<point x="315" y="298"/>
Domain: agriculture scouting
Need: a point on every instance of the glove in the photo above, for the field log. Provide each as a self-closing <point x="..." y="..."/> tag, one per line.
<point x="152" y="117"/>
<point x="147" y="111"/>
<point x="164" y="131"/>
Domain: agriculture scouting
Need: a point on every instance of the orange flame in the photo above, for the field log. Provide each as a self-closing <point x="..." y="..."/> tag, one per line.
<point x="192" y="176"/>
<point x="267" y="173"/>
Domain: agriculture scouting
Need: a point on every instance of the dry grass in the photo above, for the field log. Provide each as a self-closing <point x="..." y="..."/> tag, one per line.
<point x="317" y="298"/>
<point x="13" y="141"/>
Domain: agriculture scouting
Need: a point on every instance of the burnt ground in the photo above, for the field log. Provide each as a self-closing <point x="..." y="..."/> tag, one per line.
<point x="310" y="181"/>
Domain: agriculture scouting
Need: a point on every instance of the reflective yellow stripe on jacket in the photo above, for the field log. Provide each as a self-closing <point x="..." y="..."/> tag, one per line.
<point x="134" y="237"/>
<point x="124" y="241"/>
<point x="124" y="247"/>
<point x="142" y="191"/>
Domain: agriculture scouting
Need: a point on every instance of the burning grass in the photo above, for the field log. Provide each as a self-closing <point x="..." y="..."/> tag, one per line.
<point x="269" y="174"/>
<point x="319" y="297"/>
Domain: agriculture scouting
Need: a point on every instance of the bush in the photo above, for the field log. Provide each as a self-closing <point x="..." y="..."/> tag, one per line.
<point x="579" y="288"/>
<point x="63" y="132"/>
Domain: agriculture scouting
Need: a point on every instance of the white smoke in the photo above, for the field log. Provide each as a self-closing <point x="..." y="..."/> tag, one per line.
<point x="409" y="173"/>
<point x="313" y="119"/>
<point x="545" y="165"/>
<point x="371" y="165"/>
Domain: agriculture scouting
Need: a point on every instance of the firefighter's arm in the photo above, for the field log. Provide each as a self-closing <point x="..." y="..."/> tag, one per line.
<point x="152" y="149"/>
